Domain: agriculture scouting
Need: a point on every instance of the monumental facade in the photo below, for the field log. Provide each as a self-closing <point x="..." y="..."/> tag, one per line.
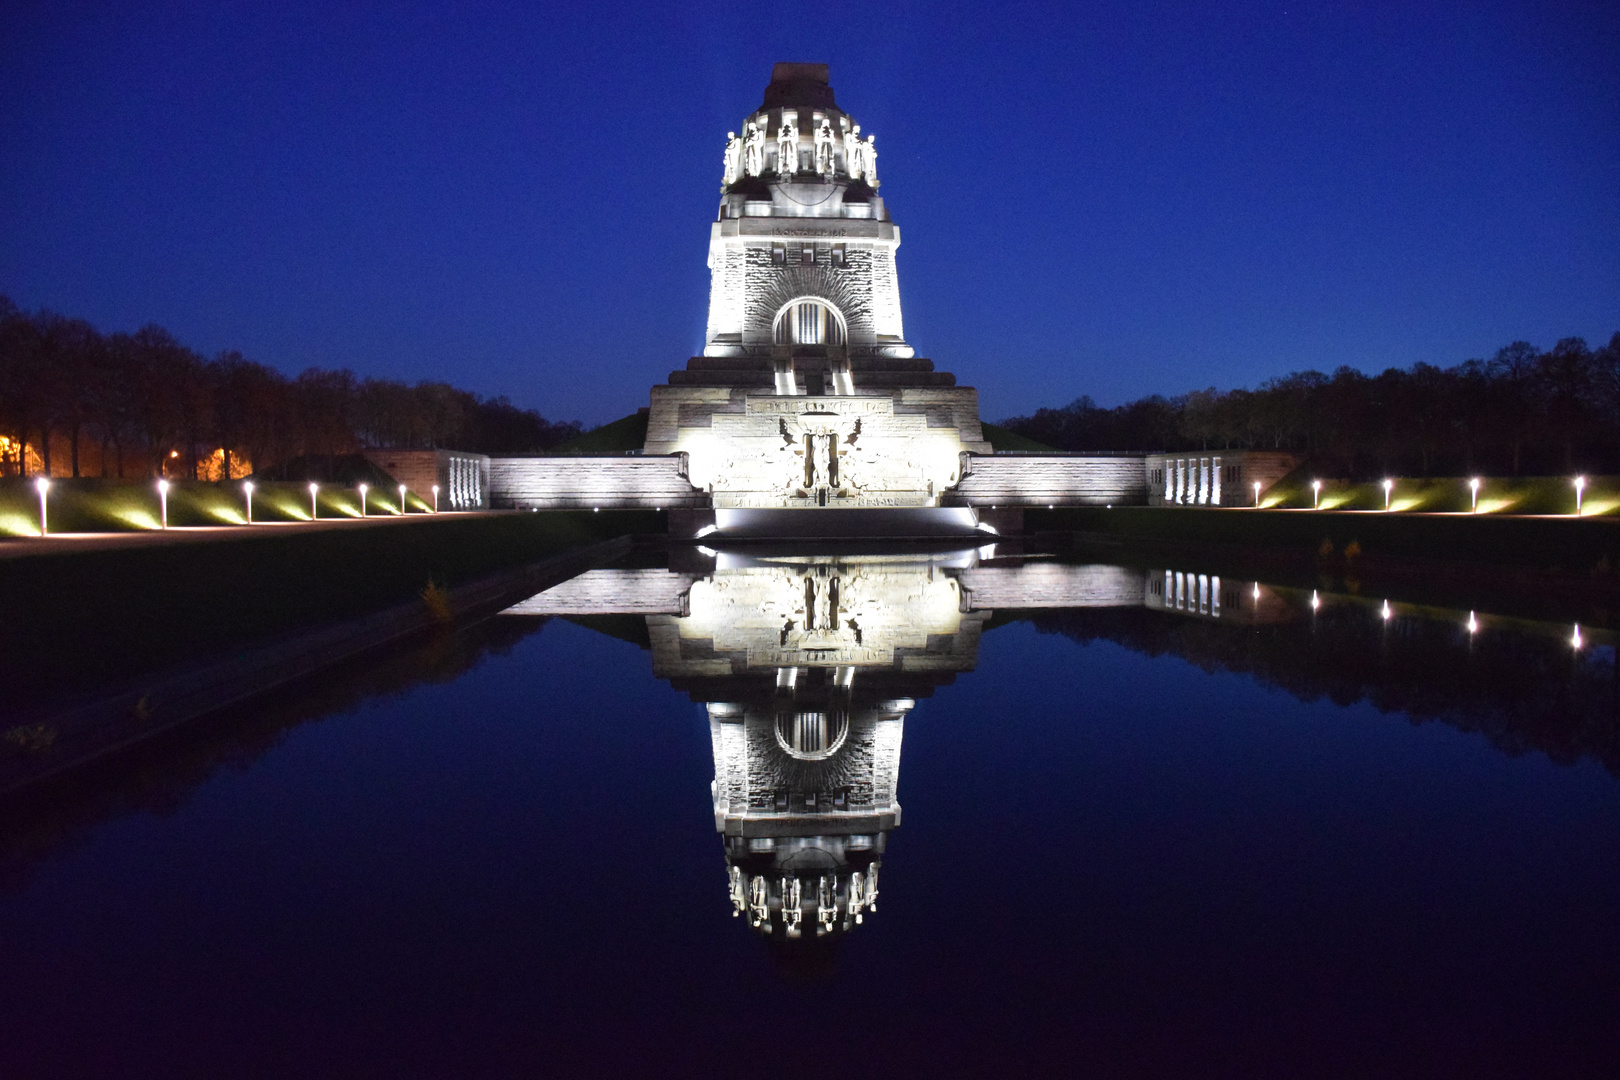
<point x="808" y="395"/>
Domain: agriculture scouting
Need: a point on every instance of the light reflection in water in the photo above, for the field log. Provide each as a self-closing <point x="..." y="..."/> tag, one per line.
<point x="808" y="666"/>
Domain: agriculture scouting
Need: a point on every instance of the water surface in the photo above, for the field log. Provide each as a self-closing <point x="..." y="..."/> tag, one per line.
<point x="1135" y="824"/>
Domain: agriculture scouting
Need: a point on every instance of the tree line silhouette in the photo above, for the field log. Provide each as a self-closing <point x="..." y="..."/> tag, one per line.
<point x="143" y="404"/>
<point x="1521" y="412"/>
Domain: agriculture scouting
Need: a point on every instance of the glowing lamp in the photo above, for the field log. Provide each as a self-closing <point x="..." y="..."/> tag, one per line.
<point x="163" y="501"/>
<point x="1473" y="624"/>
<point x="42" y="486"/>
<point x="1473" y="491"/>
<point x="1386" y="612"/>
<point x="1580" y="486"/>
<point x="247" y="488"/>
<point x="363" y="489"/>
<point x="314" y="507"/>
<point x="1389" y="486"/>
<point x="1316" y="494"/>
<point x="1316" y="601"/>
<point x="435" y="498"/>
<point x="1576" y="640"/>
<point x="1257" y="494"/>
<point x="402" y="498"/>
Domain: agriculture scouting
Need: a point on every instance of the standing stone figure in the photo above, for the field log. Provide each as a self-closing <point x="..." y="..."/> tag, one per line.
<point x="852" y="153"/>
<point x="821" y="449"/>
<point x="824" y="149"/>
<point x="734" y="152"/>
<point x="869" y="160"/>
<point x="754" y="150"/>
<point x="787" y="149"/>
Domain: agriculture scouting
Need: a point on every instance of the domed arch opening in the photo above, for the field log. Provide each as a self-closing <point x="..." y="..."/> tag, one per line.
<point x="812" y="736"/>
<point x="809" y="320"/>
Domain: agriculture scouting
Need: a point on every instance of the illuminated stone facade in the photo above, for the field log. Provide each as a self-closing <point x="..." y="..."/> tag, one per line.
<point x="802" y="250"/>
<point x="807" y="394"/>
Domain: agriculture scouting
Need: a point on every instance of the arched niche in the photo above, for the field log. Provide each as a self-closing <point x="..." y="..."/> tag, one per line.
<point x="810" y="320"/>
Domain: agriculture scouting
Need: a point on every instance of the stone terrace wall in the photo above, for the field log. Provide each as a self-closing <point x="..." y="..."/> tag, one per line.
<point x="616" y="482"/>
<point x="1052" y="585"/>
<point x="1022" y="480"/>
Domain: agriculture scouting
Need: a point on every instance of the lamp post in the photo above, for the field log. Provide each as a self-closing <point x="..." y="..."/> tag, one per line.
<point x="435" y="498"/>
<point x="163" y="501"/>
<point x="314" y="507"/>
<point x="1580" y="486"/>
<point x="1316" y="494"/>
<point x="363" y="490"/>
<point x="247" y="489"/>
<point x="42" y="485"/>
<point x="402" y="500"/>
<point x="1473" y="491"/>
<point x="1257" y="494"/>
<point x="1389" y="485"/>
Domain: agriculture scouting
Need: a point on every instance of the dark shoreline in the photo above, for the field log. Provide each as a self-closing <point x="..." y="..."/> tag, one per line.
<point x="1547" y="569"/>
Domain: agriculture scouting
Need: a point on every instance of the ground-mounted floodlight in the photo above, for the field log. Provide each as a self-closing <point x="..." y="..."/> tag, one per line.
<point x="363" y="489"/>
<point x="1316" y="494"/>
<point x="1472" y="624"/>
<point x="163" y="502"/>
<point x="435" y="498"/>
<point x="1386" y="611"/>
<point x="402" y="500"/>
<point x="1580" y="487"/>
<point x="1257" y="494"/>
<point x="1316" y="601"/>
<point x="1473" y="491"/>
<point x="1389" y="486"/>
<point x="314" y="507"/>
<point x="42" y="486"/>
<point x="1576" y="639"/>
<point x="247" y="489"/>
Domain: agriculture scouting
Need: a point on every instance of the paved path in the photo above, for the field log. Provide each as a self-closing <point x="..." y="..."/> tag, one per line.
<point x="17" y="547"/>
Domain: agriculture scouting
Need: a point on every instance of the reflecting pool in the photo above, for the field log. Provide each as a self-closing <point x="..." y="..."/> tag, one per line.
<point x="1155" y="822"/>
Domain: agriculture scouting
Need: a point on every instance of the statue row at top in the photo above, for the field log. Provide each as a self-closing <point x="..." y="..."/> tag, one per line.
<point x="745" y="155"/>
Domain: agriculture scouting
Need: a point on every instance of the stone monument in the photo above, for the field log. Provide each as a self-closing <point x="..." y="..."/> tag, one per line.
<point x="807" y="395"/>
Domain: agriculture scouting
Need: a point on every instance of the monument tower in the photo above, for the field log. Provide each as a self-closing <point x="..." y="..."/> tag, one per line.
<point x="807" y="394"/>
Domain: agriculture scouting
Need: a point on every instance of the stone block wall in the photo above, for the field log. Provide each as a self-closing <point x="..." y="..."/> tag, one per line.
<point x="583" y="482"/>
<point x="1036" y="480"/>
<point x="1215" y="477"/>
<point x="462" y="478"/>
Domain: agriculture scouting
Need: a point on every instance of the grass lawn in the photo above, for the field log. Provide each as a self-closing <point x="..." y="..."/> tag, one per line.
<point x="77" y="618"/>
<point x="94" y="505"/>
<point x="1556" y="544"/>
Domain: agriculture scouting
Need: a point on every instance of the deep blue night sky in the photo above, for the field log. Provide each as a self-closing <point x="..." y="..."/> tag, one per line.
<point x="1112" y="198"/>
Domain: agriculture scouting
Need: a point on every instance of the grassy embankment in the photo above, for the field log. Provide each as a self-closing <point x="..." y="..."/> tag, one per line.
<point x="80" y="617"/>
<point x="1555" y="545"/>
<point x="94" y="505"/>
<point x="1497" y="495"/>
<point x="1443" y="557"/>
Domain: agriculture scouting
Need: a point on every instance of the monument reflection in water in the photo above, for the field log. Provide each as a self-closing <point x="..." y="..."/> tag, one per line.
<point x="809" y="665"/>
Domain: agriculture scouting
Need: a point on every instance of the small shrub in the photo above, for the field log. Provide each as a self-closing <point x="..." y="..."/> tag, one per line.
<point x="437" y="600"/>
<point x="33" y="739"/>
